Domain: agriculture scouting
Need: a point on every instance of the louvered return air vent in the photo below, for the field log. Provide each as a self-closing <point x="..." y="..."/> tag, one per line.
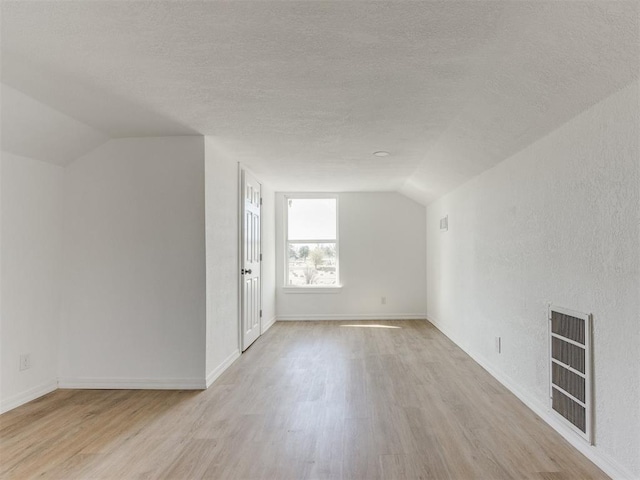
<point x="570" y="350"/>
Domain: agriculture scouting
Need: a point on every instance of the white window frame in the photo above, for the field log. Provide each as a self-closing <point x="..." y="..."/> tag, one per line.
<point x="310" y="288"/>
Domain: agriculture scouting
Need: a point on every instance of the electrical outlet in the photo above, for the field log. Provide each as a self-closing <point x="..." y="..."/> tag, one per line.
<point x="498" y="344"/>
<point x="25" y="361"/>
<point x="383" y="300"/>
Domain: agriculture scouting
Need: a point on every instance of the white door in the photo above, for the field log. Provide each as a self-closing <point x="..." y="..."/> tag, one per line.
<point x="250" y="265"/>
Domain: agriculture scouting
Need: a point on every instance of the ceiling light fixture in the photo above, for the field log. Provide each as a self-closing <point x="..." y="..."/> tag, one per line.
<point x="381" y="153"/>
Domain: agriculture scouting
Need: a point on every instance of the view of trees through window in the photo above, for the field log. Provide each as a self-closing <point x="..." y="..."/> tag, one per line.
<point x="312" y="242"/>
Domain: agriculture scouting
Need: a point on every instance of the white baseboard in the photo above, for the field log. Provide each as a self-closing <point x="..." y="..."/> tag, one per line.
<point x="353" y="316"/>
<point x="226" y="363"/>
<point x="603" y="461"/>
<point x="266" y="326"/>
<point x="28" y="395"/>
<point x="133" y="383"/>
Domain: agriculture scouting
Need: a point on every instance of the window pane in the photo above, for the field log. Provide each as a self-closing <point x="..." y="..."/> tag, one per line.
<point x="312" y="264"/>
<point x="312" y="218"/>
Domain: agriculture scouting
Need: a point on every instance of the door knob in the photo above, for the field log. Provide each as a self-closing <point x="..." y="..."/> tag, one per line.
<point x="247" y="271"/>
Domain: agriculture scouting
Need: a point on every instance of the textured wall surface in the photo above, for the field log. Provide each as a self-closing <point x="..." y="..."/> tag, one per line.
<point x="381" y="253"/>
<point x="556" y="223"/>
<point x="134" y="262"/>
<point x="221" y="191"/>
<point x="35" y="130"/>
<point x="31" y="230"/>
<point x="268" y="219"/>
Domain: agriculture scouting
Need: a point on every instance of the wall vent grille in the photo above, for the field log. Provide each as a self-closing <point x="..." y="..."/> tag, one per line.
<point x="570" y="369"/>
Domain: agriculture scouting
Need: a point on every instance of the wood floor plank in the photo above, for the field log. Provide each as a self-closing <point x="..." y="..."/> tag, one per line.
<point x="308" y="400"/>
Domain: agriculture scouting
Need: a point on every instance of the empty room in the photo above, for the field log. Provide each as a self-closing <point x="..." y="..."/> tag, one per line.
<point x="320" y="239"/>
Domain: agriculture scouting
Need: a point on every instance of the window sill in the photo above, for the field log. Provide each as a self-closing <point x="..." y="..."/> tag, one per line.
<point x="331" y="289"/>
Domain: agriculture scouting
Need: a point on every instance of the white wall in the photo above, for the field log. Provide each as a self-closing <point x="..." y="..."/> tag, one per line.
<point x="556" y="223"/>
<point x="222" y="324"/>
<point x="35" y="130"/>
<point x="133" y="311"/>
<point x="381" y="253"/>
<point x="222" y="215"/>
<point x="30" y="277"/>
<point x="268" y="274"/>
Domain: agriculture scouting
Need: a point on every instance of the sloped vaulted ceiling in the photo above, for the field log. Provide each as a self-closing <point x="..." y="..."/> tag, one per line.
<point x="304" y="92"/>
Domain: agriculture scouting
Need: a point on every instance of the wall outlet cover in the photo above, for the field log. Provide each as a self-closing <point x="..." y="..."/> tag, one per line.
<point x="25" y="361"/>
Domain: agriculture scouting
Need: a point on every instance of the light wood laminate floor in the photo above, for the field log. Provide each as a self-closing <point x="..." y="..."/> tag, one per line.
<point x="316" y="400"/>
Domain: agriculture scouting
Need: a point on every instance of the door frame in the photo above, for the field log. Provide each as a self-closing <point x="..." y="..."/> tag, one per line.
<point x="240" y="216"/>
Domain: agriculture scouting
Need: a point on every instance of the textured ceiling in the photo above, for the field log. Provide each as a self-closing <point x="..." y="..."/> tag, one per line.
<point x="304" y="92"/>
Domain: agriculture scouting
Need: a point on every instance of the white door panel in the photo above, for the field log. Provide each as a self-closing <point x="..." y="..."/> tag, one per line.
<point x="250" y="269"/>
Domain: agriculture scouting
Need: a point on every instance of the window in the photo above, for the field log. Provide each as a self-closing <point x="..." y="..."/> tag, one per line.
<point x="311" y="241"/>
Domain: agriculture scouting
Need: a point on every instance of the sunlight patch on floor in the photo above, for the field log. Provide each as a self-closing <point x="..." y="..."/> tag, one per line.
<point x="371" y="326"/>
